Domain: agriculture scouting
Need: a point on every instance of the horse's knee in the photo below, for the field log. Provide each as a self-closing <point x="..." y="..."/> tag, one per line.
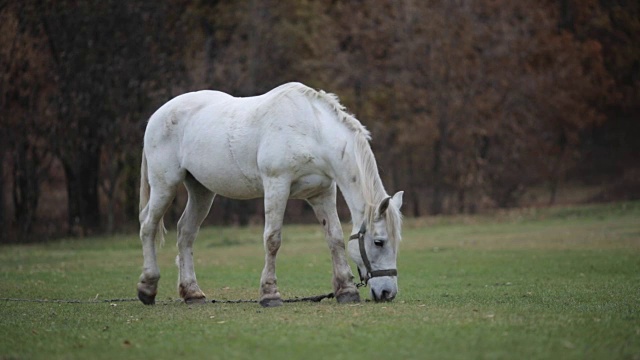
<point x="272" y="241"/>
<point x="147" y="229"/>
<point x="143" y="214"/>
<point x="186" y="236"/>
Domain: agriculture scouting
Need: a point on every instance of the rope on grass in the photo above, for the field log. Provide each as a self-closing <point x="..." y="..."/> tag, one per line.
<point x="317" y="298"/>
<point x="70" y="301"/>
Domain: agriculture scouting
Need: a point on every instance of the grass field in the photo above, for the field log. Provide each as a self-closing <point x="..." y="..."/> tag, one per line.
<point x="560" y="283"/>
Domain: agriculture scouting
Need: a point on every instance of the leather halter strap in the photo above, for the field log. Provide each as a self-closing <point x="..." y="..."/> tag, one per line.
<point x="365" y="259"/>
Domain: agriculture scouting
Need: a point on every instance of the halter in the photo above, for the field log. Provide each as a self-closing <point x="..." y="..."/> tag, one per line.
<point x="363" y="253"/>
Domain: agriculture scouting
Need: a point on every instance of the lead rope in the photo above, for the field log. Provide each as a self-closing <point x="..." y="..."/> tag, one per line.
<point x="316" y="298"/>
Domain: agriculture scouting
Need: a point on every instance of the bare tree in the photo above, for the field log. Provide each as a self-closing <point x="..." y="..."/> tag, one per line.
<point x="22" y="91"/>
<point x="108" y="58"/>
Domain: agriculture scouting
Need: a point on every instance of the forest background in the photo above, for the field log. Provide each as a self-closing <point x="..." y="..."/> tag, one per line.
<point x="474" y="105"/>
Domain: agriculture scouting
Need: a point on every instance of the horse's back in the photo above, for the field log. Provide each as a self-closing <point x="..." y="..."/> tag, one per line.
<point x="220" y="111"/>
<point x="230" y="144"/>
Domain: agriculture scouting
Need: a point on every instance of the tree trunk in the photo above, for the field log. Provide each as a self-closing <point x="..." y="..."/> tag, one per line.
<point x="82" y="193"/>
<point x="556" y="169"/>
<point x="461" y="200"/>
<point x="412" y="186"/>
<point x="130" y="187"/>
<point x="3" y="221"/>
<point x="438" y="153"/>
<point x="26" y="191"/>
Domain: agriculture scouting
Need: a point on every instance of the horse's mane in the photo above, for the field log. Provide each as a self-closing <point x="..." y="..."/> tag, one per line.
<point x="370" y="182"/>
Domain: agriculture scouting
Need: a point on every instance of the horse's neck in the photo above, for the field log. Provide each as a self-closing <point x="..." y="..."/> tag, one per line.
<point x="355" y="201"/>
<point x="352" y="159"/>
<point x="357" y="196"/>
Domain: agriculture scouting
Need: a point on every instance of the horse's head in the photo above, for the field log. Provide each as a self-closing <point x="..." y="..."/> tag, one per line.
<point x="374" y="248"/>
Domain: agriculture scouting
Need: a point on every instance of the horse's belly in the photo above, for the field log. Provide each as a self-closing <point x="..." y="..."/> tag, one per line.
<point x="218" y="162"/>
<point x="236" y="190"/>
<point x="224" y="178"/>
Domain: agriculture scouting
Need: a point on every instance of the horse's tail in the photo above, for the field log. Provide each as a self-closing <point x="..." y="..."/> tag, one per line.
<point x="145" y="192"/>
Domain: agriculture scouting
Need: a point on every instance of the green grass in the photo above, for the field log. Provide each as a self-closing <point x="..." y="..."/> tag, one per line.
<point x="561" y="283"/>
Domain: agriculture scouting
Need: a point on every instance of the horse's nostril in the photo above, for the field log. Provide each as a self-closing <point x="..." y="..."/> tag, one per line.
<point x="383" y="295"/>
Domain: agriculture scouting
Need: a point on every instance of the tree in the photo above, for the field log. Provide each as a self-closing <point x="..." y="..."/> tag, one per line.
<point x="107" y="61"/>
<point x="470" y="102"/>
<point x="611" y="147"/>
<point x="509" y="95"/>
<point x="22" y="136"/>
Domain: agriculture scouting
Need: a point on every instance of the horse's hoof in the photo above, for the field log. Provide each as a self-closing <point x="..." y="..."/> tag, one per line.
<point x="147" y="299"/>
<point x="345" y="298"/>
<point x="271" y="302"/>
<point x="196" y="300"/>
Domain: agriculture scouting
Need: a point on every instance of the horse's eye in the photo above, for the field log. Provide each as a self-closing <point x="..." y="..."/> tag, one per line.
<point x="378" y="242"/>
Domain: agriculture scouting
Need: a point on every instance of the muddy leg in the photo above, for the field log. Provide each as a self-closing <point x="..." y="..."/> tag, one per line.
<point x="198" y="205"/>
<point x="324" y="207"/>
<point x="150" y="221"/>
<point x="275" y="201"/>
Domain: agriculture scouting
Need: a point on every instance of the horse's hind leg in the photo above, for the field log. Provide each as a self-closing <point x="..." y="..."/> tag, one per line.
<point x="159" y="200"/>
<point x="198" y="205"/>
<point x="275" y="202"/>
<point x="324" y="206"/>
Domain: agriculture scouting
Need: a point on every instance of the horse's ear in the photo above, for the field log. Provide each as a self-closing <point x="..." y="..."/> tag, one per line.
<point x="397" y="199"/>
<point x="383" y="206"/>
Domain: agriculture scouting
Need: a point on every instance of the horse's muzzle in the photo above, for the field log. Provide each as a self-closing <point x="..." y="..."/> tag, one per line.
<point x="383" y="289"/>
<point x="382" y="296"/>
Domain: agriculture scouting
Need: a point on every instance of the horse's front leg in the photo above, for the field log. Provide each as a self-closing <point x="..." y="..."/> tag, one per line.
<point x="324" y="207"/>
<point x="275" y="202"/>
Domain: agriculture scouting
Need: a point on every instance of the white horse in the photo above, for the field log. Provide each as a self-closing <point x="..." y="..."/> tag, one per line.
<point x="292" y="142"/>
